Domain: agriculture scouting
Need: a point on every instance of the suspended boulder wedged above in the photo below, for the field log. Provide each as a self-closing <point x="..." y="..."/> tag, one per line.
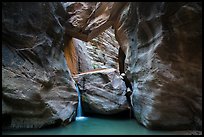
<point x="37" y="87"/>
<point x="88" y="19"/>
<point x="103" y="91"/>
<point x="164" y="62"/>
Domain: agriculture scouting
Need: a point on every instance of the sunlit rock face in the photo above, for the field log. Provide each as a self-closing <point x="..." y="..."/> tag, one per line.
<point x="103" y="91"/>
<point x="163" y="62"/>
<point x="77" y="57"/>
<point x="91" y="22"/>
<point x="37" y="87"/>
<point x="83" y="57"/>
<point x="103" y="50"/>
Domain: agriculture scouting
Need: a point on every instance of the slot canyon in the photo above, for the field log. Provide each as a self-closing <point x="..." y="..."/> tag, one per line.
<point x="140" y="61"/>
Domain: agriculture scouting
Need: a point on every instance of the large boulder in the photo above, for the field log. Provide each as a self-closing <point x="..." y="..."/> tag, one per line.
<point x="103" y="91"/>
<point x="37" y="87"/>
<point x="163" y="47"/>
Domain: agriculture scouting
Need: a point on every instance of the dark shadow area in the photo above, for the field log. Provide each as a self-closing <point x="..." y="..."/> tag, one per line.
<point x="6" y="120"/>
<point x="121" y="115"/>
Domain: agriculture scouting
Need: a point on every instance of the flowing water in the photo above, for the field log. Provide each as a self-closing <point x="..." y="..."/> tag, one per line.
<point x="79" y="108"/>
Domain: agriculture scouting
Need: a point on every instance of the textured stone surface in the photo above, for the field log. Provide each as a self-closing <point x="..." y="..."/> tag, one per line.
<point x="77" y="57"/>
<point x="160" y="43"/>
<point x="103" y="91"/>
<point x="84" y="59"/>
<point x="37" y="87"/>
<point x="163" y="48"/>
<point x="88" y="19"/>
<point x="103" y="50"/>
<point x="70" y="53"/>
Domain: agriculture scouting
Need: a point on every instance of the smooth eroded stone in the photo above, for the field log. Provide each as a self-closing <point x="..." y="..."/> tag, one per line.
<point x="37" y="87"/>
<point x="88" y="19"/>
<point x="163" y="47"/>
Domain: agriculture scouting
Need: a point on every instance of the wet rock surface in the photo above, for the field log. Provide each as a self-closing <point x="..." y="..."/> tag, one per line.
<point x="37" y="87"/>
<point x="103" y="91"/>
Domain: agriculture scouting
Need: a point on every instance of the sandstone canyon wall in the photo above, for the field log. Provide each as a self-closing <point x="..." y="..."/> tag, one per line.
<point x="103" y="50"/>
<point x="162" y="46"/>
<point x="77" y="57"/>
<point x="160" y="52"/>
<point x="163" y="62"/>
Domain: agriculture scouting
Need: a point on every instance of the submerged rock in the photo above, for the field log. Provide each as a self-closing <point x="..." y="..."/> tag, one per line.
<point x="103" y="91"/>
<point x="37" y="87"/>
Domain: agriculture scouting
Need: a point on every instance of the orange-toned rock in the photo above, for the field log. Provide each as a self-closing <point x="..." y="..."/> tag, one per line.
<point x="88" y="19"/>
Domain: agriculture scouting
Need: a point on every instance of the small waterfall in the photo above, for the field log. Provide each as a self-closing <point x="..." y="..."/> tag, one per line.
<point x="79" y="108"/>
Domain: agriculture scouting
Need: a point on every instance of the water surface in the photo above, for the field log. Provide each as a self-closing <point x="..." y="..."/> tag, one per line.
<point x="97" y="126"/>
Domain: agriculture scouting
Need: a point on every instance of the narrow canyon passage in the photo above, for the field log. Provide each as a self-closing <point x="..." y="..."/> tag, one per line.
<point x="95" y="69"/>
<point x="102" y="68"/>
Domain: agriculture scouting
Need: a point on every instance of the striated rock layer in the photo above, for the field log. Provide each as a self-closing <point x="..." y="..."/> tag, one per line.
<point x="37" y="87"/>
<point x="103" y="50"/>
<point x="103" y="91"/>
<point x="163" y="60"/>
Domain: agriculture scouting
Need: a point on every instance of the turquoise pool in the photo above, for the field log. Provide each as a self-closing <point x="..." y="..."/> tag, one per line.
<point x="97" y="126"/>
